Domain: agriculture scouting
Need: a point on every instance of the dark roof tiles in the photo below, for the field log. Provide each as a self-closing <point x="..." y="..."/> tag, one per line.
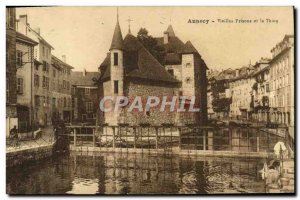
<point x="117" y="41"/>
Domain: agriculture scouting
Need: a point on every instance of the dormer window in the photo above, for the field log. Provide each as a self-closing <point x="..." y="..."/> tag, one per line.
<point x="116" y="59"/>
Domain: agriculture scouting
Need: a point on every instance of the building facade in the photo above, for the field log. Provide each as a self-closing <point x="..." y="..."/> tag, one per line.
<point x="25" y="77"/>
<point x="11" y="70"/>
<point x="241" y="90"/>
<point x="85" y="95"/>
<point x="61" y="88"/>
<point x="261" y="92"/>
<point x="282" y="83"/>
<point x="51" y="79"/>
<point x="42" y="64"/>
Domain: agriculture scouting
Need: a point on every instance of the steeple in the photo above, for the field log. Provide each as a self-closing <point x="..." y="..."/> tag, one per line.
<point x="170" y="31"/>
<point x="189" y="48"/>
<point x="117" y="41"/>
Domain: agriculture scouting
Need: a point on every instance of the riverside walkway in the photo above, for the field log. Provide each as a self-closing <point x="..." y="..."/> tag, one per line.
<point x="45" y="139"/>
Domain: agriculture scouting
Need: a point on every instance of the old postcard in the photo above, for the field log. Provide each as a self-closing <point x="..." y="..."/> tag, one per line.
<point x="150" y="100"/>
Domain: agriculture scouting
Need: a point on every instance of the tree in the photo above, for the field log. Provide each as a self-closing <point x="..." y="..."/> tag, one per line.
<point x="151" y="44"/>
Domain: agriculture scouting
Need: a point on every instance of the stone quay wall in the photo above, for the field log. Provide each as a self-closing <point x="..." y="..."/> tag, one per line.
<point x="18" y="157"/>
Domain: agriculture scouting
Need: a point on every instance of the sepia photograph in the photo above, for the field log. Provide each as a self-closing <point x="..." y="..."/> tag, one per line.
<point x="150" y="100"/>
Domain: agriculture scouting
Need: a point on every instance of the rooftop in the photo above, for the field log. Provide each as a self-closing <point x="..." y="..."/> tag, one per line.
<point x="84" y="78"/>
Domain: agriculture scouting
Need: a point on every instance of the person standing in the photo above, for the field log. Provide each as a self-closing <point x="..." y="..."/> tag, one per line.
<point x="13" y="134"/>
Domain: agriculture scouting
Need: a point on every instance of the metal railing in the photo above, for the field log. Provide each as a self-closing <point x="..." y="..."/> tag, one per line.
<point x="235" y="139"/>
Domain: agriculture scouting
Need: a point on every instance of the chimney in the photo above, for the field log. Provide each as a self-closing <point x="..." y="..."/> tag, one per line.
<point x="38" y="30"/>
<point x="22" y="24"/>
<point x="237" y="72"/>
<point x="64" y="58"/>
<point x="166" y="37"/>
<point x="23" y="19"/>
<point x="84" y="72"/>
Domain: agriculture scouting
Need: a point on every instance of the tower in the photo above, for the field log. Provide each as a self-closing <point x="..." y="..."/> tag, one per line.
<point x="194" y="80"/>
<point x="117" y="69"/>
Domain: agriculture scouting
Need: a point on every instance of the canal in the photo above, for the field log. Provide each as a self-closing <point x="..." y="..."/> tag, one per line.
<point x="111" y="173"/>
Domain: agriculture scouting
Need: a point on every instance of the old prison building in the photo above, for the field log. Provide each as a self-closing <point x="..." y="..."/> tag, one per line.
<point x="130" y="70"/>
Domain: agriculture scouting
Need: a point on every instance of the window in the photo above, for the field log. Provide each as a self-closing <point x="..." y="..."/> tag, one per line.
<point x="44" y="66"/>
<point x="47" y="83"/>
<point x="116" y="59"/>
<point x="36" y="80"/>
<point x="37" y="67"/>
<point x="20" y="85"/>
<point x="267" y="88"/>
<point x="171" y="71"/>
<point x="73" y="91"/>
<point x="84" y="116"/>
<point x="87" y="91"/>
<point x="116" y="87"/>
<point x="43" y="51"/>
<point x="65" y="102"/>
<point x="44" y="82"/>
<point x="89" y="107"/>
<point x="37" y="100"/>
<point x="19" y="58"/>
<point x="94" y="116"/>
<point x="64" y="84"/>
<point x="54" y="72"/>
<point x="53" y="85"/>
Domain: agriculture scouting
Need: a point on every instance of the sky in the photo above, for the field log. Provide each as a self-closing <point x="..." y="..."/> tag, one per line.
<point x="84" y="34"/>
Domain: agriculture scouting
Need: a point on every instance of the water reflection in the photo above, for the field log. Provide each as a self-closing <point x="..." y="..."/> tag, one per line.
<point x="135" y="174"/>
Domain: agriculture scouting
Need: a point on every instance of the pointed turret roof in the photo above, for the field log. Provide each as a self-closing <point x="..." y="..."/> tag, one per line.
<point x="170" y="31"/>
<point x="117" y="41"/>
<point x="189" y="48"/>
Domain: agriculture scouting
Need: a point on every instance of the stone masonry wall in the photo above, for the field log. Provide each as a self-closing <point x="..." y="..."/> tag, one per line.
<point x="155" y="117"/>
<point x="19" y="157"/>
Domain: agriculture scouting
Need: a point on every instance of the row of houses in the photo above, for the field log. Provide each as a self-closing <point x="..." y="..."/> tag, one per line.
<point x="40" y="88"/>
<point x="263" y="92"/>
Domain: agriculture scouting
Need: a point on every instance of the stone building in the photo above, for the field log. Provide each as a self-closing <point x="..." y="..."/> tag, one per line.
<point x="11" y="70"/>
<point x="51" y="79"/>
<point x="85" y="96"/>
<point x="282" y="83"/>
<point x="61" y="104"/>
<point x="261" y="91"/>
<point x="131" y="70"/>
<point x="25" y="76"/>
<point x="241" y="89"/>
<point x="185" y="64"/>
<point x="42" y="64"/>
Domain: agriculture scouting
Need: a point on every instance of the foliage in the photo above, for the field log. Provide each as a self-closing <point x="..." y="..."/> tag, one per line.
<point x="151" y="45"/>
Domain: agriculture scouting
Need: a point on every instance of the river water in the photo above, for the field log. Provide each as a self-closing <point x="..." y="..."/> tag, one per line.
<point x="136" y="174"/>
